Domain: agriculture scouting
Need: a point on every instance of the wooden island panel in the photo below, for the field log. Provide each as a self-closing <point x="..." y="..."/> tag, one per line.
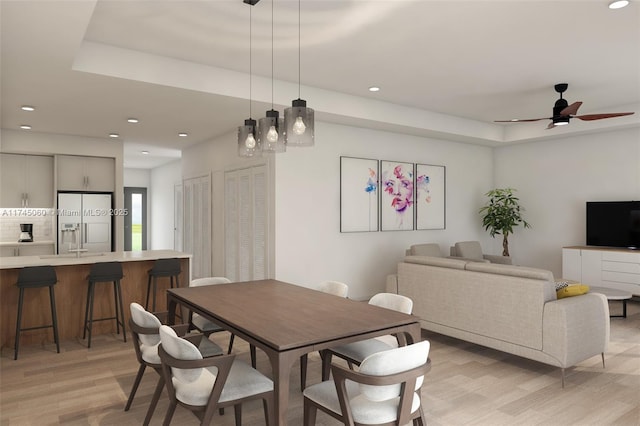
<point x="71" y="296"/>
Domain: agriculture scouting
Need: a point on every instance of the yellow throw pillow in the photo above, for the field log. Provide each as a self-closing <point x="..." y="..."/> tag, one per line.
<point x="572" y="290"/>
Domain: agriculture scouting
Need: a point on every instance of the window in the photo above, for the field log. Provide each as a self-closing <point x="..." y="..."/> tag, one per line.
<point x="135" y="222"/>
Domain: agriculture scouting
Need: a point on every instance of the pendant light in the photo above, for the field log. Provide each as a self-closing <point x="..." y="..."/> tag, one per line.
<point x="298" y="119"/>
<point x="271" y="128"/>
<point x="248" y="146"/>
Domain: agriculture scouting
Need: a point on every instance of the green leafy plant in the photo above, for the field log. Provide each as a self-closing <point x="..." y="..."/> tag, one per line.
<point x="501" y="214"/>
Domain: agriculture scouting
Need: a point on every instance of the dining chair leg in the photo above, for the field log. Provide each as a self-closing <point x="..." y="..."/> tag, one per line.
<point x="303" y="371"/>
<point x="134" y="389"/>
<point x="252" y="349"/>
<point x="154" y="402"/>
<point x="231" y="343"/>
<point x="267" y="403"/>
<point x="326" y="365"/>
<point x="170" y="411"/>
<point x="237" y="409"/>
<point x="309" y="413"/>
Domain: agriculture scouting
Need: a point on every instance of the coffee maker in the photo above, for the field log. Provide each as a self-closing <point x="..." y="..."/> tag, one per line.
<point x="26" y="233"/>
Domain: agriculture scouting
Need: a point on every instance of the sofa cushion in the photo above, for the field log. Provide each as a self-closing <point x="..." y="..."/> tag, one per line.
<point x="469" y="249"/>
<point x="437" y="261"/>
<point x="429" y="249"/>
<point x="511" y="270"/>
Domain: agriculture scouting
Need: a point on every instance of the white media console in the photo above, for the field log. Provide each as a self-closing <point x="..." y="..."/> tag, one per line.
<point x="603" y="267"/>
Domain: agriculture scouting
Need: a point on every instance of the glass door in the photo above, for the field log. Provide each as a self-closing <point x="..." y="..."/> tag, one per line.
<point x="135" y="222"/>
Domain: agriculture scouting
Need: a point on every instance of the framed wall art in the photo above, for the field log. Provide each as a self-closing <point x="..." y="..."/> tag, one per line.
<point x="430" y="196"/>
<point x="396" y="196"/>
<point x="358" y="194"/>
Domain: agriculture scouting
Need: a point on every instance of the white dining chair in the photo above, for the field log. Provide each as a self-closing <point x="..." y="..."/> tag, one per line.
<point x="356" y="352"/>
<point x="145" y="328"/>
<point x="385" y="391"/>
<point x="203" y="385"/>
<point x="335" y="288"/>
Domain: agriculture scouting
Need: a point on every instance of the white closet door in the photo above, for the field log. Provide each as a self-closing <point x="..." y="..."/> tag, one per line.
<point x="197" y="224"/>
<point x="246" y="224"/>
<point x="178" y="219"/>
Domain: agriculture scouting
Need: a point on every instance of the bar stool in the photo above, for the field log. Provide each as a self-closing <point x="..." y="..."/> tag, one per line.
<point x="162" y="268"/>
<point x="104" y="272"/>
<point x="37" y="277"/>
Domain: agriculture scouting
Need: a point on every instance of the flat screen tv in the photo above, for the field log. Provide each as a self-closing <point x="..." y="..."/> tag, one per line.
<point x="613" y="224"/>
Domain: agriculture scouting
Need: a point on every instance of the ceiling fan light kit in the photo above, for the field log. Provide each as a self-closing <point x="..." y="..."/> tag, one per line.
<point x="563" y="112"/>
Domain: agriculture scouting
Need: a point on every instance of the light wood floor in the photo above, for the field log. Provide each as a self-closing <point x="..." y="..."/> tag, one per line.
<point x="468" y="385"/>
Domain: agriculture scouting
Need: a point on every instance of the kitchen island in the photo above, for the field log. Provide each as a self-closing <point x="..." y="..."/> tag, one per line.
<point x="71" y="292"/>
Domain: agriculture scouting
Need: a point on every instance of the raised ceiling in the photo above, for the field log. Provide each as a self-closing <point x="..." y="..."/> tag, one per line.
<point x="445" y="68"/>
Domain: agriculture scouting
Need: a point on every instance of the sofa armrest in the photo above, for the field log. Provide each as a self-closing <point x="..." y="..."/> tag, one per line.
<point x="392" y="284"/>
<point x="576" y="328"/>
<point x="493" y="258"/>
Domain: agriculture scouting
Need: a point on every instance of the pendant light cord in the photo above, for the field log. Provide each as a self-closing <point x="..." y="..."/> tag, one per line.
<point x="272" y="1"/>
<point x="250" y="50"/>
<point x="298" y="49"/>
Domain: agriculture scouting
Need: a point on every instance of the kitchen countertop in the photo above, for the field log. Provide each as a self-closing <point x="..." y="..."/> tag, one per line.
<point x="88" y="258"/>
<point x="32" y="243"/>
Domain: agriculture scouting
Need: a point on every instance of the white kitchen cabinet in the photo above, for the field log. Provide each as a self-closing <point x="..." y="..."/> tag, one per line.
<point x="603" y="267"/>
<point x="27" y="250"/>
<point x="81" y="173"/>
<point x="27" y="181"/>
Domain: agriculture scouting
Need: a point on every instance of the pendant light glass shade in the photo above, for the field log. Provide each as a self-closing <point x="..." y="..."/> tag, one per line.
<point x="271" y="132"/>
<point x="248" y="145"/>
<point x="299" y="124"/>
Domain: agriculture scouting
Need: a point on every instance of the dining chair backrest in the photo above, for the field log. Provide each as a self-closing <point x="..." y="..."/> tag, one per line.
<point x="336" y="288"/>
<point x="396" y="302"/>
<point x="145" y="319"/>
<point x="393" y="361"/>
<point x="180" y="348"/>
<point x="198" y="282"/>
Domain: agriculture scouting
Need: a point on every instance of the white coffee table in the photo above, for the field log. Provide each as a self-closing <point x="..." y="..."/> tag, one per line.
<point x="614" y="294"/>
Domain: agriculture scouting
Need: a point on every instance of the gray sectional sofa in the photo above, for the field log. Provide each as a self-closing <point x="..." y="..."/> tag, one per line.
<point x="509" y="308"/>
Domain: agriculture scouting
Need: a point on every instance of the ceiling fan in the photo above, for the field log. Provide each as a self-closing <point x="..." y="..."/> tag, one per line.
<point x="563" y="112"/>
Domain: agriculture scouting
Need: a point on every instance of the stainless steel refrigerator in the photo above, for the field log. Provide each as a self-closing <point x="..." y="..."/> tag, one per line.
<point x="84" y="222"/>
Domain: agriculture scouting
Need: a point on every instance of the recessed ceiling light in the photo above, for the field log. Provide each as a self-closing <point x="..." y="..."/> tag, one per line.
<point x="145" y="152"/>
<point x="27" y="108"/>
<point x="114" y="135"/>
<point x="25" y="127"/>
<point x="374" y="89"/>
<point x="618" y="4"/>
<point x="132" y="120"/>
<point x="183" y="134"/>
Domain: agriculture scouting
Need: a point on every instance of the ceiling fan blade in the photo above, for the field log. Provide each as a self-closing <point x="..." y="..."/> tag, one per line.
<point x="517" y="120"/>
<point x="551" y="126"/>
<point x="571" y="109"/>
<point x="590" y="117"/>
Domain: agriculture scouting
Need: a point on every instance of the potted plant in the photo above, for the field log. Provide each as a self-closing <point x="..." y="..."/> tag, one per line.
<point x="501" y="214"/>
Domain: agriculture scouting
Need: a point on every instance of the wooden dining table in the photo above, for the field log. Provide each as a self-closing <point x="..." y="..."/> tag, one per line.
<point x="287" y="321"/>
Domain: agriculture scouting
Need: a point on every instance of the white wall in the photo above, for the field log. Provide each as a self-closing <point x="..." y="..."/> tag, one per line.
<point x="161" y="204"/>
<point x="138" y="178"/>
<point x="309" y="245"/>
<point x="554" y="180"/>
